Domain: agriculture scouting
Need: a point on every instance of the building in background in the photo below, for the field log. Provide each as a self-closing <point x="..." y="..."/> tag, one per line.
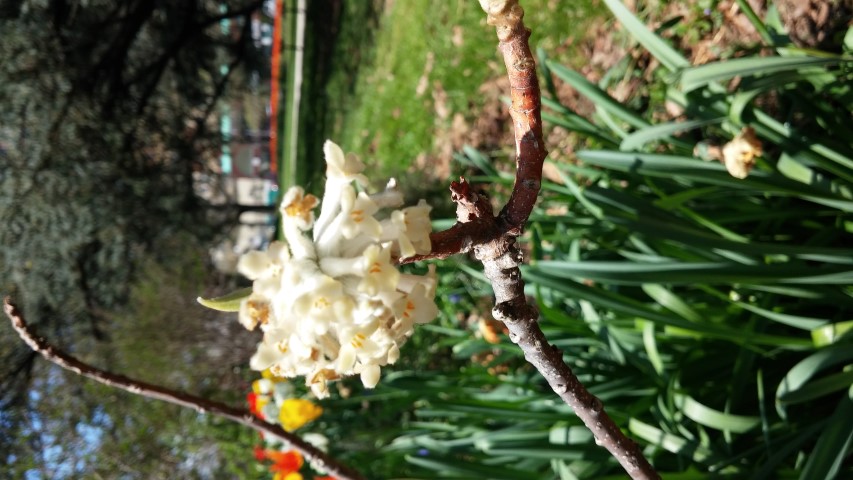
<point x="244" y="177"/>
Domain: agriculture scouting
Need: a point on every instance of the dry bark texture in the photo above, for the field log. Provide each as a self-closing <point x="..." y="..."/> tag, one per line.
<point x="492" y="239"/>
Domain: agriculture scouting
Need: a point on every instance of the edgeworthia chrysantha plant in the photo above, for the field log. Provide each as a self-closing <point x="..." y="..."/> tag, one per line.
<point x="329" y="298"/>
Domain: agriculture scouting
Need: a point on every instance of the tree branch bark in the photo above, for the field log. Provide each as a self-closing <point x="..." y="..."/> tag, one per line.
<point x="492" y="239"/>
<point x="201" y="405"/>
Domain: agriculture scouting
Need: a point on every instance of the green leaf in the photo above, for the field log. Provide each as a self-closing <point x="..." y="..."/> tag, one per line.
<point x="795" y="170"/>
<point x="467" y="468"/>
<point x="829" y="334"/>
<point x="819" y="388"/>
<point x="782" y="452"/>
<point x="652" y="347"/>
<point x="826" y="459"/>
<point x="671" y="302"/>
<point x="565" y="117"/>
<point x="668" y="56"/>
<point x="562" y="434"/>
<point x="756" y="22"/>
<point x="715" y="419"/>
<point x="474" y="157"/>
<point x="714" y="173"/>
<point x="631" y="273"/>
<point x="665" y="229"/>
<point x="807" y="368"/>
<point x="796" y="321"/>
<point x="599" y="97"/>
<point x="227" y="303"/>
<point x="575" y="190"/>
<point x="669" y="441"/>
<point x="629" y="307"/>
<point x="661" y="131"/>
<point x="696" y="77"/>
<point x="780" y="133"/>
<point x="739" y="103"/>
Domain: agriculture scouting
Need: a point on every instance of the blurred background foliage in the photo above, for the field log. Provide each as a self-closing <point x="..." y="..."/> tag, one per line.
<point x="710" y="314"/>
<point x="105" y="113"/>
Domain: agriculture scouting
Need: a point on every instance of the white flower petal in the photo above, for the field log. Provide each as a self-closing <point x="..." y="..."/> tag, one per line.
<point x="370" y="376"/>
<point x="340" y="168"/>
<point x="346" y="359"/>
<point x="331" y="302"/>
<point x="254" y="264"/>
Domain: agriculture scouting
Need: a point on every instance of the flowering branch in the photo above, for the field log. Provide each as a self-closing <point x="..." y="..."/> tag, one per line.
<point x="201" y="405"/>
<point x="331" y="303"/>
<point x="492" y="239"/>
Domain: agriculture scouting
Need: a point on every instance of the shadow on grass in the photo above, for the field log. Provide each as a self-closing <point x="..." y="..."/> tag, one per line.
<point x="338" y="42"/>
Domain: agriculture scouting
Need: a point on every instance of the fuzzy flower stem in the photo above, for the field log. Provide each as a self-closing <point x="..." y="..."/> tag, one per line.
<point x="201" y="405"/>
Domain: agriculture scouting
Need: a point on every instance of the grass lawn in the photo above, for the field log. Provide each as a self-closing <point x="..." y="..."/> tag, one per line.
<point x="425" y="64"/>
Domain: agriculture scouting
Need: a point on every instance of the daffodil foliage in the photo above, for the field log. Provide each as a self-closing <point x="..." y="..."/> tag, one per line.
<point x="329" y="298"/>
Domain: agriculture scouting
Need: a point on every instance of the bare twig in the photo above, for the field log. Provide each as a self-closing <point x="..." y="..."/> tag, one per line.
<point x="201" y="405"/>
<point x="493" y="241"/>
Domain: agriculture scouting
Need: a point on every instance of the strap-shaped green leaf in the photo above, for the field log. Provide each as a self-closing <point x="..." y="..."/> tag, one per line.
<point x="668" y="56"/>
<point x="715" y="419"/>
<point x="661" y="131"/>
<point x="226" y="303"/>
<point x="832" y="447"/>
<point x="697" y="77"/>
<point x="806" y="369"/>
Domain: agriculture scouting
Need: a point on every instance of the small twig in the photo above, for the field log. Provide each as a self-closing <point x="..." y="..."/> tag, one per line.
<point x="493" y="241"/>
<point x="201" y="405"/>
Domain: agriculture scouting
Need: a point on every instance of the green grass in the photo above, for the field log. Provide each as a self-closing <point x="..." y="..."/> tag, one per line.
<point x="386" y="121"/>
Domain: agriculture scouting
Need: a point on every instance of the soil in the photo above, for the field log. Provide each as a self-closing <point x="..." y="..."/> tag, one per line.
<point x="812" y="23"/>
<point x="816" y="23"/>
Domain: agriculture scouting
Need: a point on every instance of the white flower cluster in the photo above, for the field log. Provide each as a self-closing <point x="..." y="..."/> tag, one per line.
<point x="332" y="303"/>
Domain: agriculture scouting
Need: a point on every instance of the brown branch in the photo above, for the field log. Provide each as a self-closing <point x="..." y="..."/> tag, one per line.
<point x="201" y="405"/>
<point x="493" y="241"/>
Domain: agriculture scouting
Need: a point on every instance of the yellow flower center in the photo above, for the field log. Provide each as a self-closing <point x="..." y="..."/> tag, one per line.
<point x="409" y="307"/>
<point x="301" y="206"/>
<point x="259" y="311"/>
<point x="357" y="341"/>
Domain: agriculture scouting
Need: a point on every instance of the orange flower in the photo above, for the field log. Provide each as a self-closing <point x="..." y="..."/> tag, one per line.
<point x="256" y="403"/>
<point x="285" y="462"/>
<point x="260" y="454"/>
